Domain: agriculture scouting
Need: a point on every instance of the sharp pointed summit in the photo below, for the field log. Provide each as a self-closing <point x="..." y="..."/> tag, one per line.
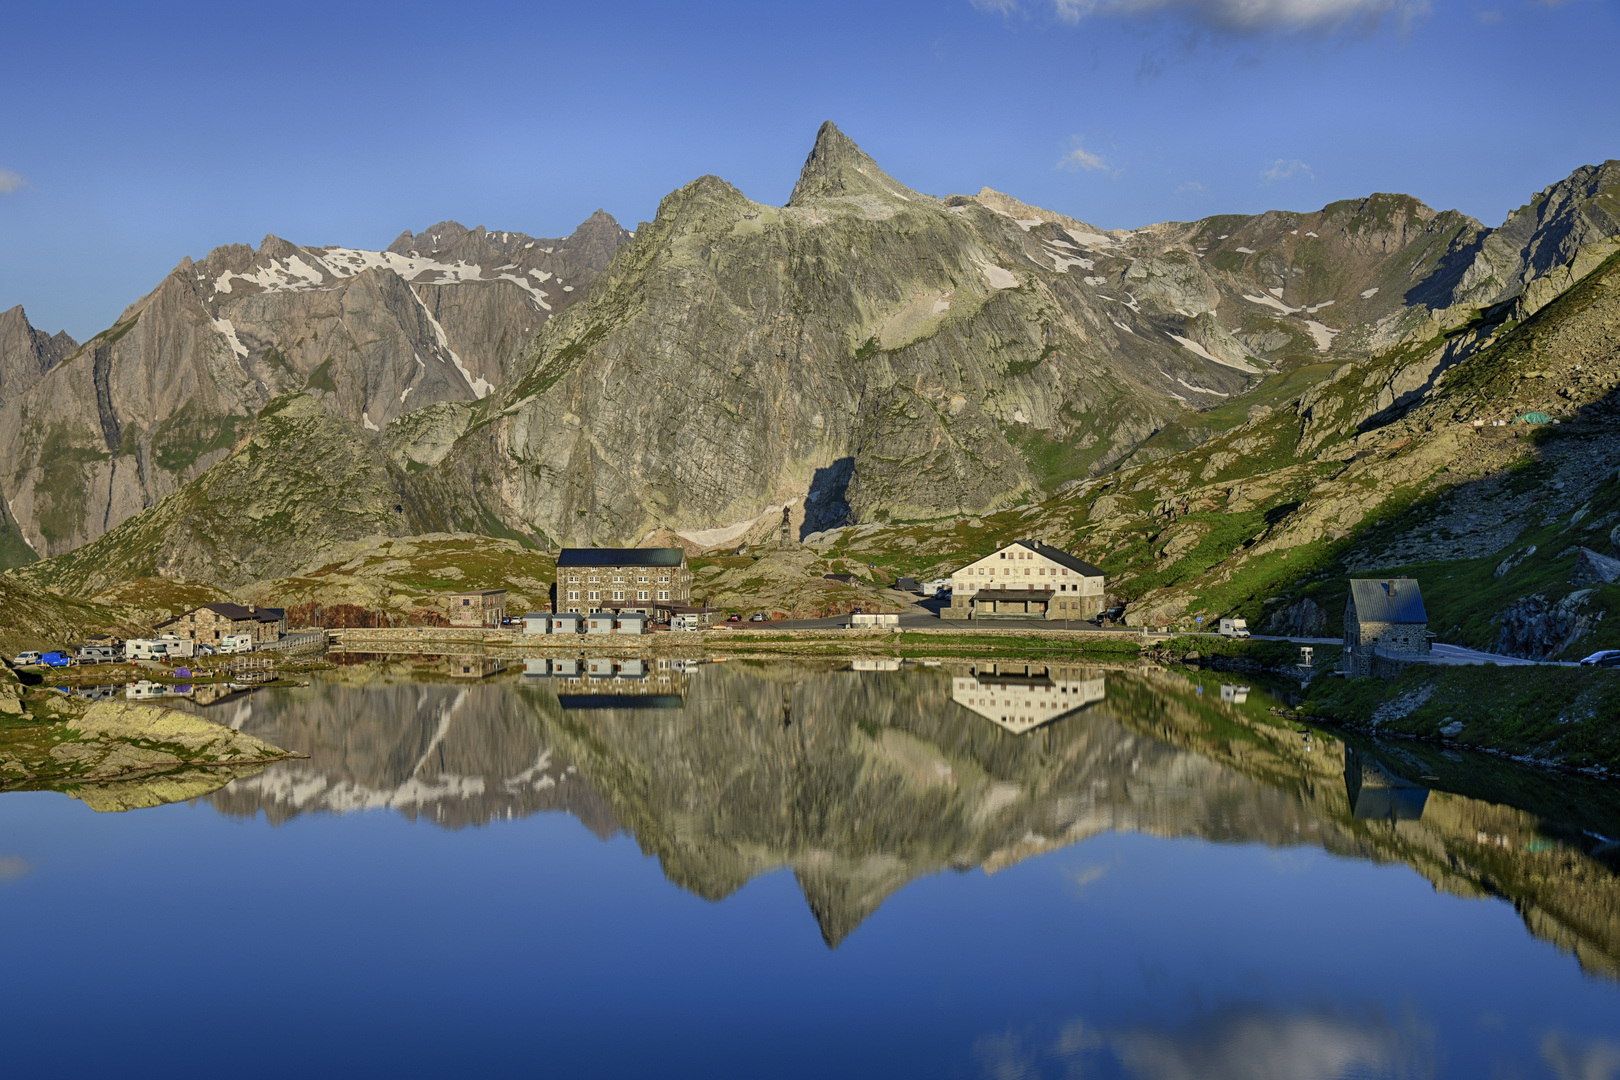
<point x="837" y="168"/>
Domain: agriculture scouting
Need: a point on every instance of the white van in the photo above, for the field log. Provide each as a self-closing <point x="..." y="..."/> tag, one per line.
<point x="235" y="643"/>
<point x="26" y="659"/>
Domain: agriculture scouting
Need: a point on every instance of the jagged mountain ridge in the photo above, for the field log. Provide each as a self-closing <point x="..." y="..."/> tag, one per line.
<point x="158" y="399"/>
<point x="27" y="354"/>
<point x="966" y="353"/>
<point x="873" y="348"/>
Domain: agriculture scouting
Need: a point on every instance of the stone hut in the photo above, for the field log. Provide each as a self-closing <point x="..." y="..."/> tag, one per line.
<point x="477" y="607"/>
<point x="210" y="623"/>
<point x="1384" y="616"/>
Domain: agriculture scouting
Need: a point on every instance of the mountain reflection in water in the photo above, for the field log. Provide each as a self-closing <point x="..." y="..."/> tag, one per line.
<point x="863" y="780"/>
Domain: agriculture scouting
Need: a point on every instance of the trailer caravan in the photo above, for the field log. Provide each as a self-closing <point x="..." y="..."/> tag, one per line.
<point x="179" y="647"/>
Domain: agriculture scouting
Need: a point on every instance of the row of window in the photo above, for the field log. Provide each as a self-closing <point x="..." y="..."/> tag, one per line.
<point x="1007" y="571"/>
<point x="618" y="594"/>
<point x="574" y="579"/>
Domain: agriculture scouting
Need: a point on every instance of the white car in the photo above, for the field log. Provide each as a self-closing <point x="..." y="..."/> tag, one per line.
<point x="26" y="659"/>
<point x="1601" y="658"/>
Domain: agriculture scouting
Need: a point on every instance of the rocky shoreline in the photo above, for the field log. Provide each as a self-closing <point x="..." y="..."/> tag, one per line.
<point x="56" y="742"/>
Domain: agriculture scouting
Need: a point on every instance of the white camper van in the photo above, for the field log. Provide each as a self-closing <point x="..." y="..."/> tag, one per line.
<point x="145" y="649"/>
<point x="236" y="643"/>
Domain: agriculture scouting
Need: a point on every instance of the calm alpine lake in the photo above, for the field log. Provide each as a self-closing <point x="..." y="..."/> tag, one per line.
<point x="811" y="869"/>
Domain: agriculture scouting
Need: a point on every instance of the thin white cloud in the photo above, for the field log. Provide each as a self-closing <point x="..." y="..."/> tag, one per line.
<point x="1191" y="187"/>
<point x="1239" y="1044"/>
<point x="1488" y="17"/>
<point x="1081" y="158"/>
<point x="1574" y="1060"/>
<point x="10" y="181"/>
<point x="1242" y="16"/>
<point x="1282" y="169"/>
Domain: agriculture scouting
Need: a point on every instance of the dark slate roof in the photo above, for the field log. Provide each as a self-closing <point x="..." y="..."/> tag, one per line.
<point x="620" y="557"/>
<point x="1391" y="600"/>
<point x="1063" y="558"/>
<point x="242" y="613"/>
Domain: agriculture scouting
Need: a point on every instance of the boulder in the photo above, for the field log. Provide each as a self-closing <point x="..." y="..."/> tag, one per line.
<point x="1594" y="569"/>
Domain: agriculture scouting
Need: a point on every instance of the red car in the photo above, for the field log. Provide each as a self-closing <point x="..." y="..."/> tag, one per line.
<point x="734" y="618"/>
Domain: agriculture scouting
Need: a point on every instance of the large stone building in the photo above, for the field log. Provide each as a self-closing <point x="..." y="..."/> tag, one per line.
<point x="1026" y="580"/>
<point x="477" y="607"/>
<point x="1386" y="617"/>
<point x="651" y="581"/>
<point x="210" y="623"/>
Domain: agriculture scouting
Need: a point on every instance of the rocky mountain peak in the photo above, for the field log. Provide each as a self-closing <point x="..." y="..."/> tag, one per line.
<point x="433" y="238"/>
<point x="837" y="168"/>
<point x="593" y="243"/>
<point x="26" y="354"/>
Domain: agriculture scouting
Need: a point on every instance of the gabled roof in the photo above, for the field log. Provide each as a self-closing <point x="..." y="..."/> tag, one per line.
<point x="1063" y="558"/>
<point x="620" y="557"/>
<point x="239" y="612"/>
<point x="1390" y="600"/>
<point x="1057" y="555"/>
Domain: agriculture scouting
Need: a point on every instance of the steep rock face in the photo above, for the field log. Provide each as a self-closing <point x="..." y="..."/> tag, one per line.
<point x="26" y="354"/>
<point x="299" y="483"/>
<point x="1545" y="246"/>
<point x="155" y="401"/>
<point x="864" y="346"/>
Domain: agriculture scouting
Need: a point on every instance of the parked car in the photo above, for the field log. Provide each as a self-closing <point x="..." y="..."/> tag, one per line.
<point x="733" y="618"/>
<point x="56" y="659"/>
<point x="26" y="659"/>
<point x="1602" y="658"/>
<point x="759" y="616"/>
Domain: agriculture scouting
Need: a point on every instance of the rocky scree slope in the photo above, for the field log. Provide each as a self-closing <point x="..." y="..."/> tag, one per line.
<point x="156" y="400"/>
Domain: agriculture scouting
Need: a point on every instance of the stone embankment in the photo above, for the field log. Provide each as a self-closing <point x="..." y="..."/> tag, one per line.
<point x="449" y="639"/>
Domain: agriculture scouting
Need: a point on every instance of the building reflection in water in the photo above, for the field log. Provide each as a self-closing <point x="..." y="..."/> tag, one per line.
<point x="605" y="682"/>
<point x="475" y="667"/>
<point x="1022" y="697"/>
<point x="1377" y="794"/>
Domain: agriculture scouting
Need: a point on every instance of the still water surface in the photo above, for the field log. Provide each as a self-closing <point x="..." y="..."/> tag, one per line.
<point x="805" y="870"/>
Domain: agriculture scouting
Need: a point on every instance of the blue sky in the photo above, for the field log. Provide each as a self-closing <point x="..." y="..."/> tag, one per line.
<point x="133" y="135"/>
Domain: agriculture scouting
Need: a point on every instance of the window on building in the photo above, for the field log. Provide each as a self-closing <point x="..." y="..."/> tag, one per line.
<point x="595" y="595"/>
<point x="641" y="595"/>
<point x="663" y="594"/>
<point x="573" y="594"/>
<point x="618" y="594"/>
